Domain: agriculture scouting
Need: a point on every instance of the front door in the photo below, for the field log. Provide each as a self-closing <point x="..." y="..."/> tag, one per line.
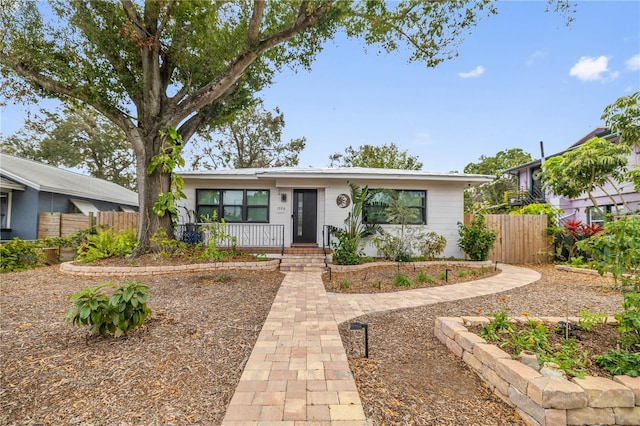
<point x="305" y="215"/>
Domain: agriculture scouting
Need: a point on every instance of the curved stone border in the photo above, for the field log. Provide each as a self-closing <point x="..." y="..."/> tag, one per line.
<point x="74" y="269"/>
<point x="540" y="400"/>
<point x="351" y="268"/>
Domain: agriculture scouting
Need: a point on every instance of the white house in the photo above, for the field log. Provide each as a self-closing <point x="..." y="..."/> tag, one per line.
<point x="271" y="209"/>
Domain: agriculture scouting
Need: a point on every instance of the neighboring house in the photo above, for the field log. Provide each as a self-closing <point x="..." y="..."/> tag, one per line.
<point x="28" y="188"/>
<point x="579" y="209"/>
<point x="271" y="208"/>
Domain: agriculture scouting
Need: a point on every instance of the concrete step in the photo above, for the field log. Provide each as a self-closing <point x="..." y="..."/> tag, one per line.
<point x="302" y="268"/>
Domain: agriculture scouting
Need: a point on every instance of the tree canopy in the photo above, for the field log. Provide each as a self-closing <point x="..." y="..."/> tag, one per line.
<point x="491" y="194"/>
<point x="150" y="66"/>
<point x="388" y="156"/>
<point x="251" y="139"/>
<point x="79" y="138"/>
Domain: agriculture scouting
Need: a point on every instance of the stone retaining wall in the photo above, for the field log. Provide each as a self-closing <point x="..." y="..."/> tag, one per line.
<point x="540" y="400"/>
<point x="76" y="269"/>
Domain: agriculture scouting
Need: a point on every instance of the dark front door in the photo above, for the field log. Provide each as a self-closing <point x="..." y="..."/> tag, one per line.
<point x="304" y="215"/>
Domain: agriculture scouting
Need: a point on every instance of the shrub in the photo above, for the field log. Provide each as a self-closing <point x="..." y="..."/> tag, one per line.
<point x="19" y="255"/>
<point x="422" y="277"/>
<point x="433" y="245"/>
<point x="620" y="362"/>
<point x="629" y="322"/>
<point x="104" y="244"/>
<point x="617" y="251"/>
<point x="475" y="240"/>
<point x="125" y="310"/>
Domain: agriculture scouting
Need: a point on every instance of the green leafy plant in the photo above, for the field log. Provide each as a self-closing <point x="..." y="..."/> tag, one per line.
<point x="534" y="336"/>
<point x="501" y="324"/>
<point x="476" y="240"/>
<point x="570" y="358"/>
<point x="125" y="310"/>
<point x="348" y="249"/>
<point x="432" y="245"/>
<point x="629" y="322"/>
<point x="617" y="251"/>
<point x="589" y="321"/>
<point x="169" y="159"/>
<point x="104" y="244"/>
<point x="401" y="280"/>
<point x="19" y="255"/>
<point x="422" y="277"/>
<point x="620" y="362"/>
<point x="345" y="284"/>
<point x="463" y="273"/>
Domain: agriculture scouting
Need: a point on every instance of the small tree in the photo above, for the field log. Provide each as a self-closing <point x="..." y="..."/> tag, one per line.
<point x="476" y="240"/>
<point x="387" y="156"/>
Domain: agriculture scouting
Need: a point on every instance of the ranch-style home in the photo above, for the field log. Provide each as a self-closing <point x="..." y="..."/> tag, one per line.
<point x="274" y="209"/>
<point x="579" y="209"/>
<point x="29" y="188"/>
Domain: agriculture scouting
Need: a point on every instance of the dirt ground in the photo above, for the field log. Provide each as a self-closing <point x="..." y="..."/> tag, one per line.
<point x="183" y="366"/>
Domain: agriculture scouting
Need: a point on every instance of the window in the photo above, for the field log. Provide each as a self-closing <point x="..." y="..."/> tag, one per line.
<point x="234" y="205"/>
<point x="5" y="210"/>
<point x="390" y="205"/>
<point x="594" y="217"/>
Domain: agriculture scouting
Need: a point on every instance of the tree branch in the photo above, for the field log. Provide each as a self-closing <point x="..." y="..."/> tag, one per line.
<point x="256" y="19"/>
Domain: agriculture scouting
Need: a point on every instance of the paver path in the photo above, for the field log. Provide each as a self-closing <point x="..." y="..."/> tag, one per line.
<point x="298" y="373"/>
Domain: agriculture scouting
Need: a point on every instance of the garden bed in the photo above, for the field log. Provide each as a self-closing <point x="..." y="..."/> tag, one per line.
<point x="538" y="399"/>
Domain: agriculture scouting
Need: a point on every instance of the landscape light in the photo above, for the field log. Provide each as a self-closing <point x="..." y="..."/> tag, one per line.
<point x="360" y="326"/>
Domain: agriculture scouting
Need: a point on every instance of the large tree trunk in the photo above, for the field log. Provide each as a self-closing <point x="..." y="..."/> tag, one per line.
<point x="150" y="186"/>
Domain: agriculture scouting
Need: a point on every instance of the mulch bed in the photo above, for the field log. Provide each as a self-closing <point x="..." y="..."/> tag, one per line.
<point x="382" y="279"/>
<point x="180" y="368"/>
<point x="411" y="378"/>
<point x="183" y="366"/>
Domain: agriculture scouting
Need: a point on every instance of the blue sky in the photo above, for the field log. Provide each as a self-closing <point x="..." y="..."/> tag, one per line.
<point x="521" y="77"/>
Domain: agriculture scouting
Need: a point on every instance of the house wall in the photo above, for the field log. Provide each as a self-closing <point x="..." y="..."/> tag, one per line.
<point x="28" y="204"/>
<point x="445" y="203"/>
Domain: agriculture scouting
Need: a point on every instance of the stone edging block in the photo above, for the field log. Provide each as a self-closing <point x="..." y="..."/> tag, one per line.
<point x="540" y="400"/>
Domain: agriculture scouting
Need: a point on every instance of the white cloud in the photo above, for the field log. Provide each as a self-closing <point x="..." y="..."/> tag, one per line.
<point x="633" y="63"/>
<point x="592" y="69"/>
<point x="539" y="54"/>
<point x="476" y="72"/>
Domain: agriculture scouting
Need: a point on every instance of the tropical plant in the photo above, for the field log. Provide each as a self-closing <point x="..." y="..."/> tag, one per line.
<point x="476" y="240"/>
<point x="617" y="250"/>
<point x="348" y="249"/>
<point x="106" y="243"/>
<point x="125" y="310"/>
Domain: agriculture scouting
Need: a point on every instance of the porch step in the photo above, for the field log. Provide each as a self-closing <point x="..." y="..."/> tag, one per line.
<point x="302" y="263"/>
<point x="304" y="249"/>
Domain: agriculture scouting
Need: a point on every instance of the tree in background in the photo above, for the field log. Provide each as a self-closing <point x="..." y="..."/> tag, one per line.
<point x="599" y="163"/>
<point x="153" y="67"/>
<point x="251" y="139"/>
<point x="491" y="194"/>
<point x="76" y="137"/>
<point x="387" y="156"/>
<point x="623" y="118"/>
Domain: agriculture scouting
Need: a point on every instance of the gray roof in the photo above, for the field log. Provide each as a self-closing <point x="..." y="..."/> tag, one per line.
<point x="337" y="173"/>
<point x="46" y="178"/>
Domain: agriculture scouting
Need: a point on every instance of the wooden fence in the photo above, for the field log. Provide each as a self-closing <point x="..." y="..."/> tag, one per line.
<point x="521" y="238"/>
<point x="57" y="224"/>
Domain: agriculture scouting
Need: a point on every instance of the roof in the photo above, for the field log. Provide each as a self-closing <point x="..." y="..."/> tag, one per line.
<point x="598" y="132"/>
<point x="46" y="178"/>
<point x="337" y="173"/>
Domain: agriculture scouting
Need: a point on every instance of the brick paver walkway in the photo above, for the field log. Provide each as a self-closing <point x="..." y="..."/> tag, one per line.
<point x="298" y="372"/>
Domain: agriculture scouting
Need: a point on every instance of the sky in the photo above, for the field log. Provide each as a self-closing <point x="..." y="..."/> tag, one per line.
<point x="521" y="77"/>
